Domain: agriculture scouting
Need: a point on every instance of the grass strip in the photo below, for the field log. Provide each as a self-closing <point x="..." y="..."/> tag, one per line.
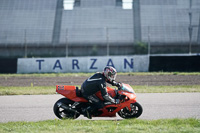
<point x="89" y="74"/>
<point x="91" y="126"/>
<point x="45" y="90"/>
<point x="28" y="90"/>
<point x="167" y="89"/>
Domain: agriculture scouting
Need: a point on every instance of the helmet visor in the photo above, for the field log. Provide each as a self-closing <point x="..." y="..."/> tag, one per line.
<point x="113" y="76"/>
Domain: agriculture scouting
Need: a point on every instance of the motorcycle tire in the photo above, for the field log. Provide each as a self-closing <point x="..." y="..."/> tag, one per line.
<point x="64" y="114"/>
<point x="136" y="111"/>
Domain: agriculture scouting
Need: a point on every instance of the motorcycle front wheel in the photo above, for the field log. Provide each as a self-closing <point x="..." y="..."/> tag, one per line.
<point x="62" y="113"/>
<point x="136" y="111"/>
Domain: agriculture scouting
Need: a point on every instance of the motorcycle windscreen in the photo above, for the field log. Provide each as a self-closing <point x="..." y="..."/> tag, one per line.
<point x="127" y="88"/>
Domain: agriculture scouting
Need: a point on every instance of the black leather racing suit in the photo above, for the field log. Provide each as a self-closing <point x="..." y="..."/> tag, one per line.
<point x="96" y="83"/>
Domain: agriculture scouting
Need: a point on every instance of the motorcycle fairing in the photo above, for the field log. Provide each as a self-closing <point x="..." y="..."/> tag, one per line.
<point x="130" y="98"/>
<point x="69" y="92"/>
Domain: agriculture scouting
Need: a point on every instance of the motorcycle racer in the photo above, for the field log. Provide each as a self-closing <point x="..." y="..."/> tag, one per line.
<point x="96" y="83"/>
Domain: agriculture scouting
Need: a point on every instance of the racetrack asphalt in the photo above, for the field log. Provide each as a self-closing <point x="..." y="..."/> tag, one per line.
<point x="155" y="106"/>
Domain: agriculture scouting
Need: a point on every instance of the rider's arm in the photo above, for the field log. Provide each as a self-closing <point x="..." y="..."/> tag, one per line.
<point x="104" y="93"/>
<point x="114" y="83"/>
<point x="111" y="82"/>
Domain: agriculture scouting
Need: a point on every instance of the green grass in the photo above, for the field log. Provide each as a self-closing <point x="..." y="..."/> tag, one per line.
<point x="44" y="90"/>
<point x="89" y="74"/>
<point x="29" y="90"/>
<point x="100" y="126"/>
<point x="167" y="89"/>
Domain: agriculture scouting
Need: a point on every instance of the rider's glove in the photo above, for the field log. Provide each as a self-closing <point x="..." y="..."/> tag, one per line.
<point x="118" y="84"/>
<point x="117" y="101"/>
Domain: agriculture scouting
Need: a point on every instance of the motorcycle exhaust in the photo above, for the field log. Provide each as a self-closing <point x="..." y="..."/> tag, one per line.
<point x="62" y="105"/>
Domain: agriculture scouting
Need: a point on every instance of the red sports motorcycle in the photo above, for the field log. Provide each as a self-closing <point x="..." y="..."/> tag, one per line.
<point x="72" y="105"/>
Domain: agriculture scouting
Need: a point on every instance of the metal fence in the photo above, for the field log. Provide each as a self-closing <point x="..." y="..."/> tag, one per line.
<point x="154" y="39"/>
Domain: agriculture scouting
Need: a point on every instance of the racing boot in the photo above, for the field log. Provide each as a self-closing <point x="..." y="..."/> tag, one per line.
<point x="87" y="112"/>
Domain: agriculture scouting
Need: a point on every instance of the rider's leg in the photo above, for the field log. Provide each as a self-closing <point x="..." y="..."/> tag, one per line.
<point x="96" y="104"/>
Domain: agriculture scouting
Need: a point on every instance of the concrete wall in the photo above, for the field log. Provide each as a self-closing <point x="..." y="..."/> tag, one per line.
<point x="82" y="64"/>
<point x="170" y="63"/>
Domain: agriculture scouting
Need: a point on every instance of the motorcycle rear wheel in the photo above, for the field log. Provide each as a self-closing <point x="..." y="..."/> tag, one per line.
<point x="136" y="111"/>
<point x="64" y="114"/>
